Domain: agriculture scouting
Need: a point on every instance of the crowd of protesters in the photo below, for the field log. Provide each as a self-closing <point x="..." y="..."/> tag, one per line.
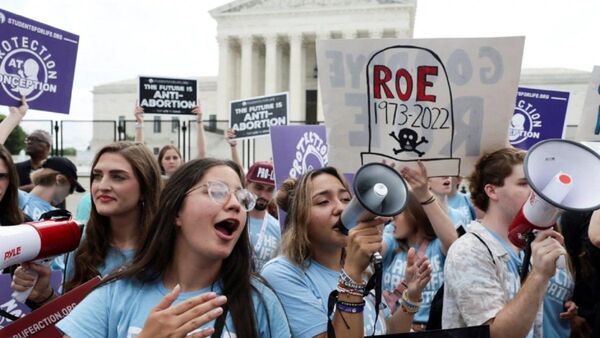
<point x="196" y="249"/>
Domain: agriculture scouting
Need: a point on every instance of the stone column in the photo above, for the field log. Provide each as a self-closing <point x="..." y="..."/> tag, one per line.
<point x="296" y="90"/>
<point x="349" y="34"/>
<point x="271" y="69"/>
<point x="320" y="116"/>
<point x="225" y="81"/>
<point x="246" y="66"/>
<point x="376" y="33"/>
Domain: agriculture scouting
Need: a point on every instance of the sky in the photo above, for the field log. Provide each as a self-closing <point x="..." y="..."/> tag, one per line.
<point x="121" y="39"/>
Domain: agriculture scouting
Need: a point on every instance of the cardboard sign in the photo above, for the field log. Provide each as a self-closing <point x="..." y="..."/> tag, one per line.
<point x="159" y="95"/>
<point x="539" y="115"/>
<point x="441" y="101"/>
<point x="253" y="117"/>
<point x="41" y="322"/>
<point x="8" y="304"/>
<point x="36" y="61"/>
<point x="589" y="124"/>
<point x="297" y="150"/>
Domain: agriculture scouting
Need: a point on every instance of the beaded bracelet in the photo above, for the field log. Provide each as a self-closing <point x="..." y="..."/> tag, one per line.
<point x="359" y="292"/>
<point x="409" y="306"/>
<point x="348" y="281"/>
<point x="350" y="309"/>
<point x="343" y="302"/>
<point x="400" y="288"/>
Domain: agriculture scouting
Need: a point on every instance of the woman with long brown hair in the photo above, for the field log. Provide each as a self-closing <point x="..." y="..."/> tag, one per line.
<point x="199" y="249"/>
<point x="125" y="187"/>
<point x="10" y="214"/>
<point x="426" y="227"/>
<point x="318" y="259"/>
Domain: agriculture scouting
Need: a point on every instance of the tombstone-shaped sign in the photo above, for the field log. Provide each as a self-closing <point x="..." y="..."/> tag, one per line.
<point x="443" y="102"/>
<point x="409" y="107"/>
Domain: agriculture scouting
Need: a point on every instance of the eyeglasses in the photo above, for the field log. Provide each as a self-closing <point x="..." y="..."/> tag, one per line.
<point x="220" y="193"/>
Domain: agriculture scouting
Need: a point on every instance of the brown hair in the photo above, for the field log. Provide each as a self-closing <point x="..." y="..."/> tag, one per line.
<point x="10" y="214"/>
<point x="294" y="197"/>
<point x="157" y="252"/>
<point x="416" y="216"/>
<point x="47" y="177"/>
<point x="93" y="249"/>
<point x="162" y="153"/>
<point x="492" y="168"/>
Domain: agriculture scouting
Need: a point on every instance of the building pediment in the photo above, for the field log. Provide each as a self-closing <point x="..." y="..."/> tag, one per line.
<point x="258" y="6"/>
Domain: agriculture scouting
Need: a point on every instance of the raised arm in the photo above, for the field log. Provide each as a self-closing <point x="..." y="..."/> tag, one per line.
<point x="138" y="112"/>
<point x="15" y="115"/>
<point x="440" y="221"/>
<point x="229" y="135"/>
<point x="200" y="138"/>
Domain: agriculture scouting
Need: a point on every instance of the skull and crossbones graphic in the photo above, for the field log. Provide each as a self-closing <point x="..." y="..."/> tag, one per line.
<point x="407" y="139"/>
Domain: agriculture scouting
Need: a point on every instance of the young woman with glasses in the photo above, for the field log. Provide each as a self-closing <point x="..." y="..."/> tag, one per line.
<point x="192" y="277"/>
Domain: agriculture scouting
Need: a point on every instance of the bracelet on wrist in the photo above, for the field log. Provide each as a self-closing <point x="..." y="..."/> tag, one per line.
<point x="349" y="308"/>
<point x="429" y="200"/>
<point x="400" y="288"/>
<point x="408" y="305"/>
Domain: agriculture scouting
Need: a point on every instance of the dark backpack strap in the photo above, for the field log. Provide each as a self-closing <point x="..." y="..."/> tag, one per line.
<point x="437" y="303"/>
<point x="486" y="246"/>
<point x="220" y="323"/>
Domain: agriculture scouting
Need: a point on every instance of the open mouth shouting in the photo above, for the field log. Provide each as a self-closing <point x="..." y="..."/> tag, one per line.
<point x="226" y="228"/>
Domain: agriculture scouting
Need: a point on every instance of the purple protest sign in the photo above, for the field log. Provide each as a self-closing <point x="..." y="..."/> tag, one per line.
<point x="36" y="61"/>
<point x="8" y="304"/>
<point x="539" y="115"/>
<point x="296" y="150"/>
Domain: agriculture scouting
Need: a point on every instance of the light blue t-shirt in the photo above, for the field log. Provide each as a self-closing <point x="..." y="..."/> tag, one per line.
<point x="84" y="208"/>
<point x="462" y="203"/>
<point x="458" y="218"/>
<point x="514" y="265"/>
<point x="304" y="295"/>
<point x="115" y="259"/>
<point x="120" y="309"/>
<point x="560" y="289"/>
<point x="265" y="236"/>
<point x="32" y="205"/>
<point x="394" y="267"/>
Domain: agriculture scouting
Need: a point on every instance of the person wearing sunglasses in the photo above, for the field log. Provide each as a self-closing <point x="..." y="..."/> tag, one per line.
<point x="125" y="186"/>
<point x="192" y="276"/>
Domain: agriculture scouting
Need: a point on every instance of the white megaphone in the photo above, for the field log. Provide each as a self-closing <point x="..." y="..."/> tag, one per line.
<point x="564" y="175"/>
<point x="379" y="190"/>
<point x="37" y="241"/>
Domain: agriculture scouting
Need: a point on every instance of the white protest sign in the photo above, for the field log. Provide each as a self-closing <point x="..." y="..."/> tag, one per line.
<point x="441" y="101"/>
<point x="589" y="124"/>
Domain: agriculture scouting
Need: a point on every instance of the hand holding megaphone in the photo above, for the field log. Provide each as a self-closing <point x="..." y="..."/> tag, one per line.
<point x="364" y="240"/>
<point x="37" y="241"/>
<point x="31" y="281"/>
<point x="546" y="249"/>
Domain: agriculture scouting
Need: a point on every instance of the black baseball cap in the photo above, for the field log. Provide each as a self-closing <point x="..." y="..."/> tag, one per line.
<point x="64" y="166"/>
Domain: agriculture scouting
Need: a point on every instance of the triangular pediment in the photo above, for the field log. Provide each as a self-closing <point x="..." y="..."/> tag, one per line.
<point x="257" y="6"/>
